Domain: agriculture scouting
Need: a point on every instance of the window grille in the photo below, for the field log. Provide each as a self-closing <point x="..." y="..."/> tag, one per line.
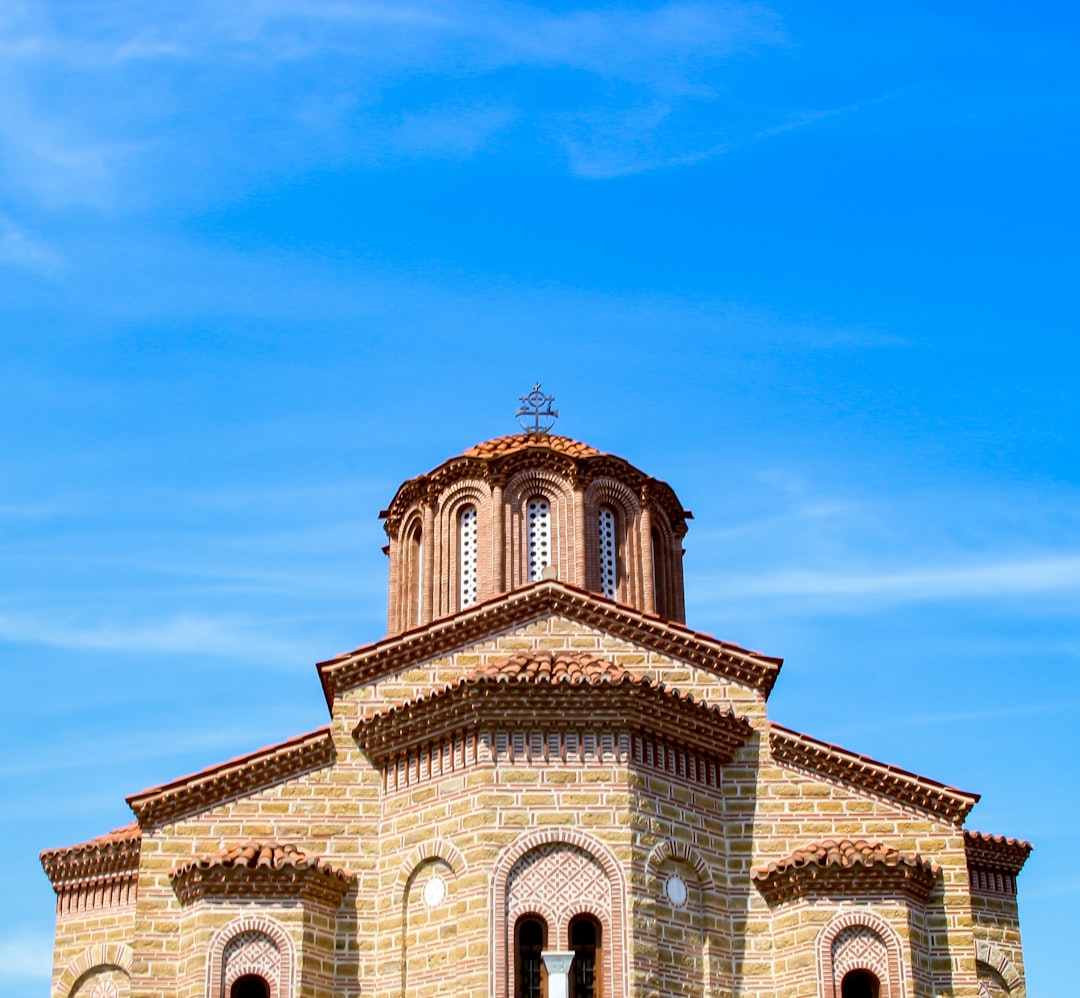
<point x="608" y="570"/>
<point x="539" y="537"/>
<point x="530" y="944"/>
<point x="468" y="556"/>
<point x="585" y="971"/>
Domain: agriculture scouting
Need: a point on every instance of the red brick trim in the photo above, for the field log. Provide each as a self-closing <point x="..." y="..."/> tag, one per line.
<point x="805" y="754"/>
<point x="989" y="954"/>
<point x="680" y="852"/>
<point x="435" y="849"/>
<point x="994" y="861"/>
<point x="233" y="779"/>
<point x="533" y="602"/>
<point x="103" y="956"/>
<point x="614" y="928"/>
<point x="216" y="984"/>
<point x="890" y="974"/>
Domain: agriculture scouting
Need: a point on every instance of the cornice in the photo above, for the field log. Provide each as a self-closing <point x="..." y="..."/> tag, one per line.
<point x="995" y="851"/>
<point x="920" y="793"/>
<point x="487" y="702"/>
<point x="845" y="867"/>
<point x="236" y="778"/>
<point x="106" y="858"/>
<point x="532" y="602"/>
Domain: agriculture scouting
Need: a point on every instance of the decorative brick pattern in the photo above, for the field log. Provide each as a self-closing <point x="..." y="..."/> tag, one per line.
<point x="251" y="944"/>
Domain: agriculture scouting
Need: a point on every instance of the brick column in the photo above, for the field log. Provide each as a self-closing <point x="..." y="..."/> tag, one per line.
<point x="427" y="589"/>
<point x="498" y="540"/>
<point x="648" y="598"/>
<point x="578" y="576"/>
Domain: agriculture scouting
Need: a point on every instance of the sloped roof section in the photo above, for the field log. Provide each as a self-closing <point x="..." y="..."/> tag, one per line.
<point x="838" y="864"/>
<point x="860" y="772"/>
<point x="238" y="777"/>
<point x="553" y="688"/>
<point x="535" y="601"/>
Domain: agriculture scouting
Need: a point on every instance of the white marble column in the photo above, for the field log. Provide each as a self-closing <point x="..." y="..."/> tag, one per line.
<point x="558" y="964"/>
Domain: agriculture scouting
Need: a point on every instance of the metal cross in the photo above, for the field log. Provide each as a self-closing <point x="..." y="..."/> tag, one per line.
<point x="536" y="409"/>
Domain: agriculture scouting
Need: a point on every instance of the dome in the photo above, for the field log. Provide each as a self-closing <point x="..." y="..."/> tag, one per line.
<point x="529" y="506"/>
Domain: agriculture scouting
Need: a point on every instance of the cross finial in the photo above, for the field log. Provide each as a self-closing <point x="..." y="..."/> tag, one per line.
<point x="535" y="413"/>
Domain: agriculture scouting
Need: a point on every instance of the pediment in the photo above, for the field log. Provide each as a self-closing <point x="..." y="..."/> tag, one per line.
<point x="538" y="601"/>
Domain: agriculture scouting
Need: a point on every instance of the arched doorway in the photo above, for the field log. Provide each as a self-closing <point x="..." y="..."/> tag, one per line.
<point x="859" y="984"/>
<point x="249" y="986"/>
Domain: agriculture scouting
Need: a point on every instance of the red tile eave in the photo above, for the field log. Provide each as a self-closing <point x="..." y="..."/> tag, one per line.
<point x="127" y="833"/>
<point x="234" y="763"/>
<point x="869" y="761"/>
<point x="646" y="620"/>
<point x="997" y="840"/>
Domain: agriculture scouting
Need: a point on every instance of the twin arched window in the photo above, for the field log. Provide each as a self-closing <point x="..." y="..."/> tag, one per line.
<point x="530" y="940"/>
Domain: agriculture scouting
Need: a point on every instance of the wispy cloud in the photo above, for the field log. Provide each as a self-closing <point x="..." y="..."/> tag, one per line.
<point x="21" y="249"/>
<point x="182" y="634"/>
<point x="936" y="582"/>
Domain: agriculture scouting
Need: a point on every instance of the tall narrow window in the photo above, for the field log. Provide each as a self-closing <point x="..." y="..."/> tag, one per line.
<point x="609" y="569"/>
<point x="531" y="938"/>
<point x="467" y="556"/>
<point x="414" y="577"/>
<point x="539" y="511"/>
<point x="585" y="972"/>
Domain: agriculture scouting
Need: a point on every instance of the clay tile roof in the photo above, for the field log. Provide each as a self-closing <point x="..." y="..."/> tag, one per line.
<point x="845" y="854"/>
<point x="996" y="851"/>
<point x="501" y="446"/>
<point x="831" y="863"/>
<point x="554" y="667"/>
<point x="113" y="854"/>
<point x="271" y="855"/>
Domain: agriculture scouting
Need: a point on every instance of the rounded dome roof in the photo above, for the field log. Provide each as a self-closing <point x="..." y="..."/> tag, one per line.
<point x="501" y="446"/>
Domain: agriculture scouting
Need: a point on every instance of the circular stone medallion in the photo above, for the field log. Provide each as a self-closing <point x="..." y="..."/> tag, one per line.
<point x="434" y="892"/>
<point x="676" y="891"/>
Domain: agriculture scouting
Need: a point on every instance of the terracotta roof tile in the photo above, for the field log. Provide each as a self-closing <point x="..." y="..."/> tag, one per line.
<point x="262" y="854"/>
<point x="554" y="667"/>
<point x="996" y="851"/>
<point x="832" y="863"/>
<point x="846" y="854"/>
<point x="501" y="446"/>
<point x="114" y="854"/>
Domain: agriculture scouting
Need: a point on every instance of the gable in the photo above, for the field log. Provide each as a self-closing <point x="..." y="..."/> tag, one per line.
<point x="586" y="615"/>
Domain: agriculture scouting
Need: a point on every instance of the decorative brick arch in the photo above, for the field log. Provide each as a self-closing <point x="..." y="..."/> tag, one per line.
<point x="520" y="489"/>
<point x="626" y="505"/>
<point x="435" y="849"/>
<point x="111" y="956"/>
<point x="859" y="939"/>
<point x="585" y="849"/>
<point x="989" y="954"/>
<point x="680" y="853"/>
<point x="250" y="944"/>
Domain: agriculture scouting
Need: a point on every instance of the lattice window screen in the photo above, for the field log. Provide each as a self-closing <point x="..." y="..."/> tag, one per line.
<point x="539" y="537"/>
<point x="608" y="564"/>
<point x="468" y="555"/>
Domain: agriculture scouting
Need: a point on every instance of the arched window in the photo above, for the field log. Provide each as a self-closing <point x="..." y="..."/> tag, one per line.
<point x="859" y="984"/>
<point x="609" y="559"/>
<point x="249" y="986"/>
<point x="467" y="556"/>
<point x="585" y="942"/>
<point x="539" y="512"/>
<point x="530" y="938"/>
<point x="414" y="576"/>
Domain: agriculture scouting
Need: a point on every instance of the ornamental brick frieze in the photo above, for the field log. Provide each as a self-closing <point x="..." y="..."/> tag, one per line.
<point x="101" y="873"/>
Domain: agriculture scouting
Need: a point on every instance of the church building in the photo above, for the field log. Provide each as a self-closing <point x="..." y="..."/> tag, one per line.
<point x="542" y="784"/>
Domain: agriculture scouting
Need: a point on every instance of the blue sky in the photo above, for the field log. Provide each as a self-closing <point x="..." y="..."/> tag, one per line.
<point x="811" y="263"/>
